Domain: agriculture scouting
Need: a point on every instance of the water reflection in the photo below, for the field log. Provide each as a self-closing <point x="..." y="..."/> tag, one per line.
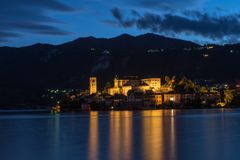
<point x="123" y="135"/>
<point x="120" y="135"/>
<point x="158" y="138"/>
<point x="56" y="136"/>
<point x="150" y="137"/>
<point x="172" y="135"/>
<point x="93" y="136"/>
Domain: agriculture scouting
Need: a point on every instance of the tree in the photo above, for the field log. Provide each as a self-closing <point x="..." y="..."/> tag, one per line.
<point x="169" y="82"/>
<point x="203" y="90"/>
<point x="107" y="85"/>
<point x="213" y="90"/>
<point x="187" y="85"/>
<point x="228" y="96"/>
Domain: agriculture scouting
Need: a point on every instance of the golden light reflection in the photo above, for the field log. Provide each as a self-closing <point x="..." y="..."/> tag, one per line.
<point x="93" y="149"/>
<point x="127" y="135"/>
<point x="158" y="134"/>
<point x="152" y="113"/>
<point x="114" y="135"/>
<point x="56" y="139"/>
<point x="173" y="135"/>
<point x="120" y="136"/>
<point x="152" y="135"/>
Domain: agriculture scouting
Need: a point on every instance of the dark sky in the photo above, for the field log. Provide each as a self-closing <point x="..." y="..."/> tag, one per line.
<point x="25" y="22"/>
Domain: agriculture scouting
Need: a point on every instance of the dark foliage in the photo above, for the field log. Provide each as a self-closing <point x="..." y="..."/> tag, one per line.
<point x="69" y="65"/>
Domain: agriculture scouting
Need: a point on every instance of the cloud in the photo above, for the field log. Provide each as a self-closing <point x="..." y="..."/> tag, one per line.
<point x="47" y="4"/>
<point x="189" y="23"/>
<point x="30" y="16"/>
<point x="5" y="35"/>
<point x="117" y="14"/>
<point x="165" y="4"/>
<point x="35" y="27"/>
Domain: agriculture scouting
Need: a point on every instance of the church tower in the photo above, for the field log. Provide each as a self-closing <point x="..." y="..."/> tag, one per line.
<point x="93" y="85"/>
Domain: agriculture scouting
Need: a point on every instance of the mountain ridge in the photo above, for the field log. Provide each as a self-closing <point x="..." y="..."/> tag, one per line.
<point x="145" y="54"/>
<point x="28" y="71"/>
<point x="121" y="36"/>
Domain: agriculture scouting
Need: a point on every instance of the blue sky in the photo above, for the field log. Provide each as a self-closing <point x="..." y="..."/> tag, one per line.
<point x="25" y="22"/>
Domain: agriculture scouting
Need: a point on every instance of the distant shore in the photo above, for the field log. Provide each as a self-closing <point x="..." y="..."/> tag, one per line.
<point x="29" y="110"/>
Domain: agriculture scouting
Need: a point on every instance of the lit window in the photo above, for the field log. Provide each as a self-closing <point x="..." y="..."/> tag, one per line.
<point x="205" y="55"/>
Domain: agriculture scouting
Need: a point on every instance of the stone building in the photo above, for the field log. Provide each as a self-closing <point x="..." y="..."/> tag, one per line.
<point x="122" y="86"/>
<point x="93" y="85"/>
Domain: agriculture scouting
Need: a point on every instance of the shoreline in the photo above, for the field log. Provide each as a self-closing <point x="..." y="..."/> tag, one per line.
<point x="45" y="111"/>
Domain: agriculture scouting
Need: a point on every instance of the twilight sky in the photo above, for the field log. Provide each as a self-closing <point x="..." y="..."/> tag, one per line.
<point x="25" y="22"/>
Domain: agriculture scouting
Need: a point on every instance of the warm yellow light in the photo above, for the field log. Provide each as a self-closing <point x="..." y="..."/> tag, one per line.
<point x="210" y="47"/>
<point x="221" y="104"/>
<point x="205" y="55"/>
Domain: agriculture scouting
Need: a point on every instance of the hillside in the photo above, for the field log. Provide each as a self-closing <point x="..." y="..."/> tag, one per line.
<point x="69" y="65"/>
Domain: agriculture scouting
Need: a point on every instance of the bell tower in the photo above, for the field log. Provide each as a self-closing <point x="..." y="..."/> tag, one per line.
<point x="93" y="85"/>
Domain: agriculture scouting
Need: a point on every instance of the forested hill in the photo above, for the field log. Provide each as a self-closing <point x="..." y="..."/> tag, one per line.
<point x="70" y="64"/>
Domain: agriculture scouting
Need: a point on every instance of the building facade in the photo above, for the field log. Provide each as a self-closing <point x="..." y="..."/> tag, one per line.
<point x="93" y="85"/>
<point x="122" y="86"/>
<point x="173" y="97"/>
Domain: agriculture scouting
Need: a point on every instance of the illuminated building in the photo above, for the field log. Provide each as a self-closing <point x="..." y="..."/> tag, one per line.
<point x="147" y="92"/>
<point x="147" y="99"/>
<point x="135" y="97"/>
<point x="92" y="85"/>
<point x="175" y="98"/>
<point x="166" y="89"/>
<point x="153" y="83"/>
<point x="153" y="99"/>
<point x="157" y="99"/>
<point x="188" y="98"/>
<point x="122" y="86"/>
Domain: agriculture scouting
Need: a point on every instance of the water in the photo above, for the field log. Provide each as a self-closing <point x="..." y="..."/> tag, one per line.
<point x="126" y="135"/>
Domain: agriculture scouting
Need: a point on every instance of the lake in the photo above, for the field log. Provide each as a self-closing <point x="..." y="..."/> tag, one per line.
<point x="122" y="135"/>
